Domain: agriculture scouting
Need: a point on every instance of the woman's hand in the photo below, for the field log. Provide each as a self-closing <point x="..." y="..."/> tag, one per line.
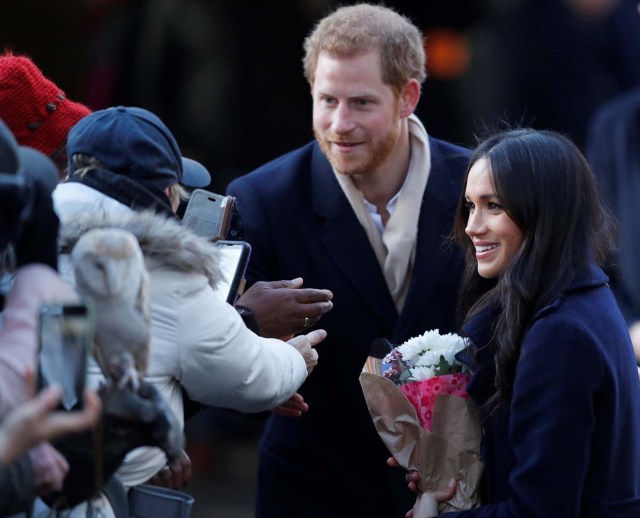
<point x="412" y="476"/>
<point x="426" y="503"/>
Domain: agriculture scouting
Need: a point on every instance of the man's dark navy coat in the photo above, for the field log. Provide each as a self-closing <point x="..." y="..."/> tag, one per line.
<point x="331" y="462"/>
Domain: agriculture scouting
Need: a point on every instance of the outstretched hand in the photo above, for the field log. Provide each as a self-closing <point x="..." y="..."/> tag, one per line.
<point x="295" y="405"/>
<point x="37" y="421"/>
<point x="283" y="308"/>
<point x="305" y="346"/>
<point x="428" y="502"/>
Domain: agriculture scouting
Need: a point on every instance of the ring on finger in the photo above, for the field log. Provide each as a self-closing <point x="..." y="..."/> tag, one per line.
<point x="307" y="322"/>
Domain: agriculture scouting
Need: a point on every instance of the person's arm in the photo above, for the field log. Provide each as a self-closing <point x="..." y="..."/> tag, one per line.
<point x="301" y="303"/>
<point x="222" y="363"/>
<point x="552" y="421"/>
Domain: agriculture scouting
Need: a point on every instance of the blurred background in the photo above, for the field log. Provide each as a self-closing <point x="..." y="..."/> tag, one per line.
<point x="226" y="77"/>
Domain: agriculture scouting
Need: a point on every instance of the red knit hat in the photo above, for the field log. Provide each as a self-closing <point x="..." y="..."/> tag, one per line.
<point x="35" y="109"/>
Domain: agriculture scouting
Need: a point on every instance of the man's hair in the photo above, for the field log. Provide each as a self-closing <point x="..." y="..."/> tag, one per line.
<point x="360" y="28"/>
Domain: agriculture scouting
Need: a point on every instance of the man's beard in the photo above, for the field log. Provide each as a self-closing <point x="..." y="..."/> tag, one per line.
<point x="376" y="155"/>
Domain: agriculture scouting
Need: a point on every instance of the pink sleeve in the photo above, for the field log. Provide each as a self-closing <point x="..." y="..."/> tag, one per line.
<point x="33" y="285"/>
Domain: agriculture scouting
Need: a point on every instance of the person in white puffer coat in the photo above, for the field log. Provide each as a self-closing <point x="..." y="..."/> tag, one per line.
<point x="198" y="341"/>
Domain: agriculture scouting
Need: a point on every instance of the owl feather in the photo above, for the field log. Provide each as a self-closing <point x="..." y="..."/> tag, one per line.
<point x="109" y="269"/>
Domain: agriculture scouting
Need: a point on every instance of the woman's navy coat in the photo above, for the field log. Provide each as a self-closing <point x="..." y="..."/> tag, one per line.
<point x="570" y="444"/>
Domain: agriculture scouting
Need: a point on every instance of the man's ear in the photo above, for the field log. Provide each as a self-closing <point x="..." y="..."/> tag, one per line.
<point x="409" y="97"/>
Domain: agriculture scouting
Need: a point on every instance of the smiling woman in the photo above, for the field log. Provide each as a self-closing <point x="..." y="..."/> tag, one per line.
<point x="551" y="360"/>
<point x="495" y="236"/>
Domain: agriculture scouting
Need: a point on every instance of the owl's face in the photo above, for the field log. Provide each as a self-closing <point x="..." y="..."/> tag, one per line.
<point x="108" y="263"/>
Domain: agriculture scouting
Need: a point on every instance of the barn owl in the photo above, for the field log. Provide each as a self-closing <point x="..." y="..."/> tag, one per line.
<point x="110" y="270"/>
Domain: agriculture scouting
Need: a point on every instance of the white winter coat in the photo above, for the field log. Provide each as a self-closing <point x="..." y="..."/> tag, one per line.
<point x="197" y="339"/>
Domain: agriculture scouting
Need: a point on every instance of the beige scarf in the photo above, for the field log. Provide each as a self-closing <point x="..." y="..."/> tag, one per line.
<point x="396" y="247"/>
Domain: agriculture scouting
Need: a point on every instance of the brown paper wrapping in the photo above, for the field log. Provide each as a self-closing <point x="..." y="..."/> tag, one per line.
<point x="450" y="450"/>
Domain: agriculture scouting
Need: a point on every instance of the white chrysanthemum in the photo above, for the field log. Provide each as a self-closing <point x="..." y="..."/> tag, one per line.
<point x="433" y="357"/>
<point x="421" y="373"/>
<point x="412" y="349"/>
<point x="429" y="358"/>
<point x="426" y="350"/>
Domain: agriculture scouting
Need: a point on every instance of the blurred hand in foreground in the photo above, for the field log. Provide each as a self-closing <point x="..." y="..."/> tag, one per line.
<point x="37" y="421"/>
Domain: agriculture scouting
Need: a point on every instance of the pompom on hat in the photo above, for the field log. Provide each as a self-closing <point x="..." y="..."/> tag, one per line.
<point x="36" y="110"/>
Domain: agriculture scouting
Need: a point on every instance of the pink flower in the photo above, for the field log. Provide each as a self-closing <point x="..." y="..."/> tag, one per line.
<point x="422" y="394"/>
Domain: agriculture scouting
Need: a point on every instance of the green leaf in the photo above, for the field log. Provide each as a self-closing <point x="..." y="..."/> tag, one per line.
<point x="442" y="368"/>
<point x="404" y="376"/>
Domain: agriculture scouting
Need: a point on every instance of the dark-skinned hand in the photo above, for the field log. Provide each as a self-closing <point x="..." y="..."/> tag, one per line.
<point x="283" y="308"/>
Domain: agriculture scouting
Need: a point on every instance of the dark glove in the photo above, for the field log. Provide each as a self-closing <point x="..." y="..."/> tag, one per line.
<point x="129" y="420"/>
<point x="38" y="240"/>
<point x="142" y="419"/>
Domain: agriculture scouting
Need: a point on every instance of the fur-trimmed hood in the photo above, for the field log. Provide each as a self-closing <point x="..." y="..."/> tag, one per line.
<point x="162" y="240"/>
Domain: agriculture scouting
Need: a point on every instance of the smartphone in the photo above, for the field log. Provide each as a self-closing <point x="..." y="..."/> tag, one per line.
<point x="65" y="340"/>
<point x="209" y="214"/>
<point x="234" y="257"/>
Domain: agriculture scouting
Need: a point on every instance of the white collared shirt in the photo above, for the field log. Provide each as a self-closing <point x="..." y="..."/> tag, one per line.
<point x="373" y="210"/>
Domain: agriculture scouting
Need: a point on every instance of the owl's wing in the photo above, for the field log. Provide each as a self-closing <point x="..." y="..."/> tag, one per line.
<point x="110" y="269"/>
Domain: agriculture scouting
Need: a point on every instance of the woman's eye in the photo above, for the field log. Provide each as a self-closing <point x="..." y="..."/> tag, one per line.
<point x="469" y="206"/>
<point x="495" y="207"/>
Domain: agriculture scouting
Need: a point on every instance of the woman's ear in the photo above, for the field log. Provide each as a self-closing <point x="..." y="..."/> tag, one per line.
<point x="409" y="97"/>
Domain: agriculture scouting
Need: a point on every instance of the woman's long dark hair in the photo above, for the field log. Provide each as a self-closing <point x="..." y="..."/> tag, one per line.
<point x="547" y="188"/>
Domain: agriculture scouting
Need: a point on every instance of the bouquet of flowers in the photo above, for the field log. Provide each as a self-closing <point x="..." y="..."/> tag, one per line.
<point x="417" y="399"/>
